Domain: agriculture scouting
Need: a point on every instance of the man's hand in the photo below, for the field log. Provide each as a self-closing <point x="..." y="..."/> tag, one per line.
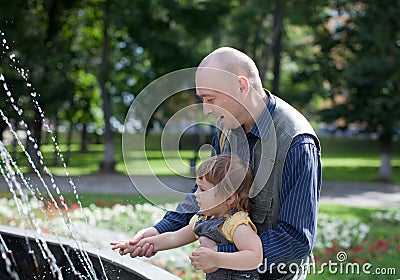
<point x="146" y="250"/>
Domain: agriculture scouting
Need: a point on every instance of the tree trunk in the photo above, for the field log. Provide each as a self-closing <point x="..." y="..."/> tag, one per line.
<point x="84" y="139"/>
<point x="56" y="136"/>
<point x="14" y="141"/>
<point x="108" y="163"/>
<point x="274" y="49"/>
<point x="3" y="127"/>
<point x="280" y="6"/>
<point x="33" y="141"/>
<point x="385" y="170"/>
<point x="69" y="141"/>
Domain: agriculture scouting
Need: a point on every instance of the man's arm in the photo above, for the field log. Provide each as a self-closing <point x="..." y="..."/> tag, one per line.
<point x="294" y="236"/>
<point x="175" y="220"/>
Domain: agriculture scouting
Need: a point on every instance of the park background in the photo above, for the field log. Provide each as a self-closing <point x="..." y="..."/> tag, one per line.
<point x="336" y="61"/>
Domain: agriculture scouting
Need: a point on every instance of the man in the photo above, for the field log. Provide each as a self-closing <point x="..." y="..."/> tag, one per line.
<point x="283" y="150"/>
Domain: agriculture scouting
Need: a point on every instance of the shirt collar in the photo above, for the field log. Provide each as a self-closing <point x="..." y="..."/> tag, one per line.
<point x="263" y="123"/>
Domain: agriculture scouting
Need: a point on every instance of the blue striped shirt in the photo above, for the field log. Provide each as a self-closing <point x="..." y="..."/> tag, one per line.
<point x="294" y="236"/>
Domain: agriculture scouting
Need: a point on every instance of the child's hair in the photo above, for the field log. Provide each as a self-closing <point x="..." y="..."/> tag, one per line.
<point x="230" y="175"/>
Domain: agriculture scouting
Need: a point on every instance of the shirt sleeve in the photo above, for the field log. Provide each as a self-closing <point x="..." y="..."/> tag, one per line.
<point x="229" y="226"/>
<point x="192" y="223"/>
<point x="294" y="236"/>
<point x="175" y="220"/>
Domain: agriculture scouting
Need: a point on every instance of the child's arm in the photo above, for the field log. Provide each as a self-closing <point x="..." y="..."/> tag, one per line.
<point x="169" y="240"/>
<point x="164" y="241"/>
<point x="248" y="257"/>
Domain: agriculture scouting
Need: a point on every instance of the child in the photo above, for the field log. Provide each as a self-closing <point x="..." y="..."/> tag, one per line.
<point x="223" y="185"/>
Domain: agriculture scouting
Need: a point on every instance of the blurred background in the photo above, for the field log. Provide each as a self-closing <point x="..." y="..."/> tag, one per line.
<point x="335" y="61"/>
<point x="70" y="70"/>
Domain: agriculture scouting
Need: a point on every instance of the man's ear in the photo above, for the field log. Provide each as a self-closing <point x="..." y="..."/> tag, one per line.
<point x="244" y="85"/>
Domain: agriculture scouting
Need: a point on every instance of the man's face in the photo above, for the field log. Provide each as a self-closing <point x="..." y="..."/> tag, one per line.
<point x="221" y="96"/>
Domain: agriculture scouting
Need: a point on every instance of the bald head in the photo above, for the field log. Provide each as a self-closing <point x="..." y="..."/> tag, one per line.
<point x="235" y="62"/>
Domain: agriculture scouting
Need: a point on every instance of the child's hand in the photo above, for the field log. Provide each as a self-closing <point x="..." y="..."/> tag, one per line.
<point x="121" y="245"/>
<point x="203" y="259"/>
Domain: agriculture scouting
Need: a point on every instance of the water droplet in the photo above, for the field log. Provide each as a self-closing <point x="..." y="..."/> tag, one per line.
<point x="33" y="94"/>
<point x="8" y="93"/>
<point x="4" y="41"/>
<point x="12" y="56"/>
<point x="35" y="146"/>
<point x="28" y="84"/>
<point x="2" y="77"/>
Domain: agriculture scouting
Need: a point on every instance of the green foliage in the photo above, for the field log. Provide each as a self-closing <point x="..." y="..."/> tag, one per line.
<point x="369" y="76"/>
<point x="333" y="58"/>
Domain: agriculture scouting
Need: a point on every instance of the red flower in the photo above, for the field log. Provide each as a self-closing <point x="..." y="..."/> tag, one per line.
<point x="357" y="250"/>
<point x="101" y="203"/>
<point x="383" y="244"/>
<point x="373" y="248"/>
<point x="75" y="206"/>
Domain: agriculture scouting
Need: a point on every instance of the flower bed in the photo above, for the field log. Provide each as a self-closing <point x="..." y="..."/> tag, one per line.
<point x="363" y="242"/>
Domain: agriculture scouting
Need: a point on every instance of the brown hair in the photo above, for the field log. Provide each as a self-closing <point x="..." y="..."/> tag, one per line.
<point x="230" y="175"/>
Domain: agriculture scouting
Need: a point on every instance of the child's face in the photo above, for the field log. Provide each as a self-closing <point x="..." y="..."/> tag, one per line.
<point x="210" y="203"/>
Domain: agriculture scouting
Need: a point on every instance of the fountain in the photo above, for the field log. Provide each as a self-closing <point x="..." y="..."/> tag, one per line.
<point x="29" y="253"/>
<point x="21" y="261"/>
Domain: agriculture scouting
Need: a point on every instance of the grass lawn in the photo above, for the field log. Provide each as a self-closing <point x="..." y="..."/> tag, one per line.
<point x="346" y="159"/>
<point x="343" y="159"/>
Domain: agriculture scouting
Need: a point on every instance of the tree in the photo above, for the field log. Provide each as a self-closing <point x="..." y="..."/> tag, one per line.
<point x="367" y="54"/>
<point x="35" y="30"/>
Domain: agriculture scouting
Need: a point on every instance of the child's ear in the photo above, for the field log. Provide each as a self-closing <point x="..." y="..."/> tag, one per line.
<point x="232" y="199"/>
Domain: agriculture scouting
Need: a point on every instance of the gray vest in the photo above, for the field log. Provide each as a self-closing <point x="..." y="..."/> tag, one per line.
<point x="270" y="154"/>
